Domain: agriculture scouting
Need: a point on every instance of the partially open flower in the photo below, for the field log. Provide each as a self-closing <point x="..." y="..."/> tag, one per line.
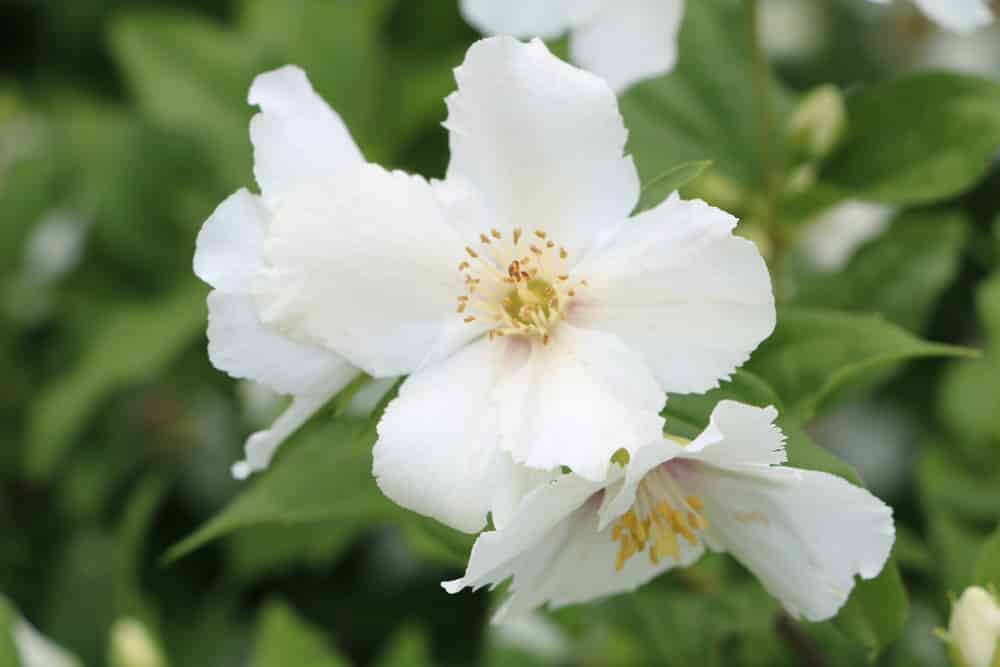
<point x="974" y="629"/>
<point x="298" y="140"/>
<point x="804" y="534"/>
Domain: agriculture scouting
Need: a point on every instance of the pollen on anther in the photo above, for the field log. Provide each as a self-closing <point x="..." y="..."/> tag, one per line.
<point x="550" y="244"/>
<point x="540" y="234"/>
<point x="545" y="339"/>
<point x="564" y="276"/>
<point x="472" y="253"/>
<point x="496" y="234"/>
<point x="463" y="266"/>
<point x="484" y="238"/>
<point x="470" y="318"/>
<point x="536" y="250"/>
<point x="517" y="235"/>
<point x="572" y="292"/>
<point x="563" y="254"/>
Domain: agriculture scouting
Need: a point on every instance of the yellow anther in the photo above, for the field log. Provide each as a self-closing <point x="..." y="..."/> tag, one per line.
<point x="563" y="254"/>
<point x="472" y="253"/>
<point x="463" y="266"/>
<point x="536" y="250"/>
<point x="540" y="234"/>
<point x="484" y="238"/>
<point x="517" y="235"/>
<point x="461" y="308"/>
<point x="564" y="276"/>
<point x="470" y="318"/>
<point x="550" y="244"/>
<point x="463" y="298"/>
<point x="696" y="503"/>
<point x="497" y="235"/>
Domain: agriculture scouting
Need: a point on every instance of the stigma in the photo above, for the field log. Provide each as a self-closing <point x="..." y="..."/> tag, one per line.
<point x="519" y="285"/>
<point x="659" y="519"/>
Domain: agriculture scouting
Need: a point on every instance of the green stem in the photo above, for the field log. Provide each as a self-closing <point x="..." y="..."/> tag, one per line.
<point x="770" y="143"/>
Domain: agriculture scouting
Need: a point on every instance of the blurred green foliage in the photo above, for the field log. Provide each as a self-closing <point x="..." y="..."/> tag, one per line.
<point x="129" y="121"/>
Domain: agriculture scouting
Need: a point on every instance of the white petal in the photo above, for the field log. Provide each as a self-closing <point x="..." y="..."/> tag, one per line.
<point x="227" y="254"/>
<point x="957" y="15"/>
<point x="367" y="266"/>
<point x="36" y="650"/>
<point x="521" y="18"/>
<point x="262" y="445"/>
<point x="629" y="40"/>
<point x="540" y="513"/>
<point x="577" y="401"/>
<point x="555" y="553"/>
<point x="542" y="142"/>
<point x="804" y="534"/>
<point x="437" y="449"/>
<point x="676" y="285"/>
<point x="298" y="139"/>
<point x="242" y="346"/>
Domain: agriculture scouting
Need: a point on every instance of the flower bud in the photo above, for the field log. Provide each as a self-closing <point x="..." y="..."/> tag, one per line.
<point x="974" y="629"/>
<point x="817" y="124"/>
<point x="132" y="645"/>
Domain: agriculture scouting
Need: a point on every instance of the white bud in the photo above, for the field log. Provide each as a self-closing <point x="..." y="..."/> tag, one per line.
<point x="818" y="123"/>
<point x="974" y="629"/>
<point x="132" y="645"/>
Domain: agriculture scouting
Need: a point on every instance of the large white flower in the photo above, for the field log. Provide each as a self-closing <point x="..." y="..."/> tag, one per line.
<point x="623" y="41"/>
<point x="298" y="140"/>
<point x="538" y="323"/>
<point x="956" y="15"/>
<point x="804" y="534"/>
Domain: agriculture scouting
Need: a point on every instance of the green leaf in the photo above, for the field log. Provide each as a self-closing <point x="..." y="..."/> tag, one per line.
<point x="322" y="474"/>
<point x="704" y="108"/>
<point x="192" y="75"/>
<point x="658" y="189"/>
<point x="901" y="274"/>
<point x="988" y="564"/>
<point x="917" y="139"/>
<point x="949" y="485"/>
<point x="8" y="649"/>
<point x="814" y="353"/>
<point x="409" y="648"/>
<point x="132" y="344"/>
<point x="284" y="638"/>
<point x="876" y="612"/>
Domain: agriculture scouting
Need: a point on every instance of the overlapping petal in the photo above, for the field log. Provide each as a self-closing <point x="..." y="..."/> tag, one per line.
<point x="298" y="139"/>
<point x="676" y="285"/>
<point x="437" y="450"/>
<point x="541" y="142"/>
<point x="576" y="402"/>
<point x="365" y="265"/>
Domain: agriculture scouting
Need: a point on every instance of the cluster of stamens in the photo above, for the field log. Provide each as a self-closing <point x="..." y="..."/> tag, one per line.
<point x="659" y="518"/>
<point x="520" y="287"/>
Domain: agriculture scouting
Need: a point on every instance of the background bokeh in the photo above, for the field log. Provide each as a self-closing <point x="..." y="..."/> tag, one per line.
<point x="122" y="125"/>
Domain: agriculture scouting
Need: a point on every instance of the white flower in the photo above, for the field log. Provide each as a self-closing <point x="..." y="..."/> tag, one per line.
<point x="956" y="15"/>
<point x="804" y="534"/>
<point x="831" y="239"/>
<point x="298" y="140"/>
<point x="538" y="323"/>
<point x="36" y="650"/>
<point x="623" y="41"/>
<point x="974" y="629"/>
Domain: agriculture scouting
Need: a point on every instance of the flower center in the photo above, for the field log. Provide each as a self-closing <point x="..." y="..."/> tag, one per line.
<point x="660" y="515"/>
<point x="521" y="286"/>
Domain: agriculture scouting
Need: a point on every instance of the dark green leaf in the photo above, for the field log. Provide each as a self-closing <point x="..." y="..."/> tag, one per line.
<point x="988" y="564"/>
<point x="409" y="648"/>
<point x="814" y="353"/>
<point x="704" y="109"/>
<point x="284" y="639"/>
<point x="900" y="275"/>
<point x="658" y="189"/>
<point x="918" y="139"/>
<point x="875" y="614"/>
<point x="132" y="344"/>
